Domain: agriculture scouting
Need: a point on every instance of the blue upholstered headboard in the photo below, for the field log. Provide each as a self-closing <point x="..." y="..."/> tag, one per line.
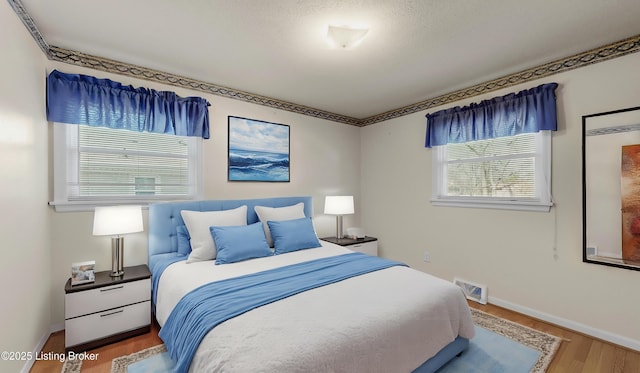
<point x="164" y="218"/>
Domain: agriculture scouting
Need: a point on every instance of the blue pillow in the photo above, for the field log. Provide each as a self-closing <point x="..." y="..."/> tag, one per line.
<point x="293" y="235"/>
<point x="237" y="243"/>
<point x="184" y="245"/>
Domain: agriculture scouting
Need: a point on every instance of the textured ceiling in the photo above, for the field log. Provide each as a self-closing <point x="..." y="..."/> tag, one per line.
<point x="414" y="51"/>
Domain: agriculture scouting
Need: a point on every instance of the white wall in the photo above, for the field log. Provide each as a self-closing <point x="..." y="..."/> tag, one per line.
<point x="24" y="229"/>
<point x="530" y="261"/>
<point x="324" y="160"/>
<point x="534" y="264"/>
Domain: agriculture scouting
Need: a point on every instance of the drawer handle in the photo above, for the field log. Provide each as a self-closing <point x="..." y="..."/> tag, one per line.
<point x="111" y="313"/>
<point x="358" y="245"/>
<point x="115" y="288"/>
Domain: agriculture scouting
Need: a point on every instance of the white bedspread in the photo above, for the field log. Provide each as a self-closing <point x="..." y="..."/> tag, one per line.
<point x="385" y="321"/>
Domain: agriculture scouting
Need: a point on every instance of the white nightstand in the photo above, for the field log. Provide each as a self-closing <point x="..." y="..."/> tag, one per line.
<point x="107" y="310"/>
<point x="367" y="245"/>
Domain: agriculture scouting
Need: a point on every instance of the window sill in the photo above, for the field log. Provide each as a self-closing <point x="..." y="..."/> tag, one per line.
<point x="499" y="205"/>
<point x="79" y="206"/>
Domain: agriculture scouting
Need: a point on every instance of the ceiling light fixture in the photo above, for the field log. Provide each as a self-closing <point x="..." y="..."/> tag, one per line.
<point x="345" y="36"/>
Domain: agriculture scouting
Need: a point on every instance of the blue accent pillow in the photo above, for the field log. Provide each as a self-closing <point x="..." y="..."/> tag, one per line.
<point x="293" y="235"/>
<point x="238" y="243"/>
<point x="184" y="245"/>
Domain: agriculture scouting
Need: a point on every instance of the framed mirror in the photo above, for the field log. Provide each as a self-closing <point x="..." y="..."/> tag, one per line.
<point x="611" y="188"/>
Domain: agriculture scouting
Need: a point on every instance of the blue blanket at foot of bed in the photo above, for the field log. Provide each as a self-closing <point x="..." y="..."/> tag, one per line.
<point x="204" y="308"/>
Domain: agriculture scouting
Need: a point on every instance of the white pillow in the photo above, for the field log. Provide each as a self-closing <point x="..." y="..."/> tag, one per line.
<point x="198" y="223"/>
<point x="266" y="214"/>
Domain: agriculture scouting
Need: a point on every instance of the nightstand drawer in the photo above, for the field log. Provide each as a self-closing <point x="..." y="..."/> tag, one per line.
<point x="370" y="248"/>
<point x="106" y="323"/>
<point x="107" y="297"/>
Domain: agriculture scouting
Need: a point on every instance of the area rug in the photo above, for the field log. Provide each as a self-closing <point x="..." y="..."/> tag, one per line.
<point x="499" y="346"/>
<point x="72" y="366"/>
<point x="504" y="346"/>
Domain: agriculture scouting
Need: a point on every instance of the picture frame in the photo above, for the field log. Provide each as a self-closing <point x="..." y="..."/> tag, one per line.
<point x="258" y="150"/>
<point x="83" y="272"/>
<point x="611" y="188"/>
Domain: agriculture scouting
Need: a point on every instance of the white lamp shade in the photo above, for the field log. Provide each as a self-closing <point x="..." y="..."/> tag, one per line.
<point x="338" y="205"/>
<point x="344" y="36"/>
<point x="116" y="220"/>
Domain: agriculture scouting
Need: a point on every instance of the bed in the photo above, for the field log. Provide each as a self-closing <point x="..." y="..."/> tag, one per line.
<point x="361" y="314"/>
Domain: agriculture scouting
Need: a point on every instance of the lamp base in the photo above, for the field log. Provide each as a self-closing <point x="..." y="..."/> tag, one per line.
<point x="117" y="256"/>
<point x="339" y="234"/>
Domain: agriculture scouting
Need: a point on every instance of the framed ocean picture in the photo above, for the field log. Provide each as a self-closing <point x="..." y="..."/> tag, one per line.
<point x="258" y="150"/>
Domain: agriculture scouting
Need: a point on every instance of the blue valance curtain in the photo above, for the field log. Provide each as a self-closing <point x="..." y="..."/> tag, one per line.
<point x="82" y="99"/>
<point x="527" y="111"/>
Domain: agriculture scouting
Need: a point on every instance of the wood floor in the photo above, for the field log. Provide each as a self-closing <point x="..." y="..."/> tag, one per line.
<point x="577" y="353"/>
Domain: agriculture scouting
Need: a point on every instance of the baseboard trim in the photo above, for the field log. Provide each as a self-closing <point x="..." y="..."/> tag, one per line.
<point x="52" y="329"/>
<point x="27" y="366"/>
<point x="57" y="327"/>
<point x="569" y="324"/>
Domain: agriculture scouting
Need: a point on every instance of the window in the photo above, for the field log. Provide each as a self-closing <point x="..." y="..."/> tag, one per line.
<point x="99" y="165"/>
<point x="510" y="172"/>
<point x="145" y="186"/>
<point x="495" y="153"/>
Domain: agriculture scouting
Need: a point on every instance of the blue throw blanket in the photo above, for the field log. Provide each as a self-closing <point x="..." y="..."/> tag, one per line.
<point x="158" y="264"/>
<point x="205" y="307"/>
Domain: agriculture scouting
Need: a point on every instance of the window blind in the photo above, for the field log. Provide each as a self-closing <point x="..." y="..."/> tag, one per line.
<point x="500" y="167"/>
<point x="106" y="164"/>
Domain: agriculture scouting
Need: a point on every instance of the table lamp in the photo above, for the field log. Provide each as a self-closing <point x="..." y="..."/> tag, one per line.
<point x="115" y="221"/>
<point x="339" y="206"/>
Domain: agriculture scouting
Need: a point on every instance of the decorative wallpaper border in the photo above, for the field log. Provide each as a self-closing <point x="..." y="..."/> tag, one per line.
<point x="607" y="52"/>
<point x="29" y="24"/>
<point x="112" y="66"/>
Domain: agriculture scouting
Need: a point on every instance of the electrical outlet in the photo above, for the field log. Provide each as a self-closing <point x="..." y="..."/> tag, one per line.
<point x="426" y="257"/>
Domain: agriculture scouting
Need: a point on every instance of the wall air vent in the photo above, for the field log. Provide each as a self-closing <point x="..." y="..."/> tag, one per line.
<point x="473" y="291"/>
